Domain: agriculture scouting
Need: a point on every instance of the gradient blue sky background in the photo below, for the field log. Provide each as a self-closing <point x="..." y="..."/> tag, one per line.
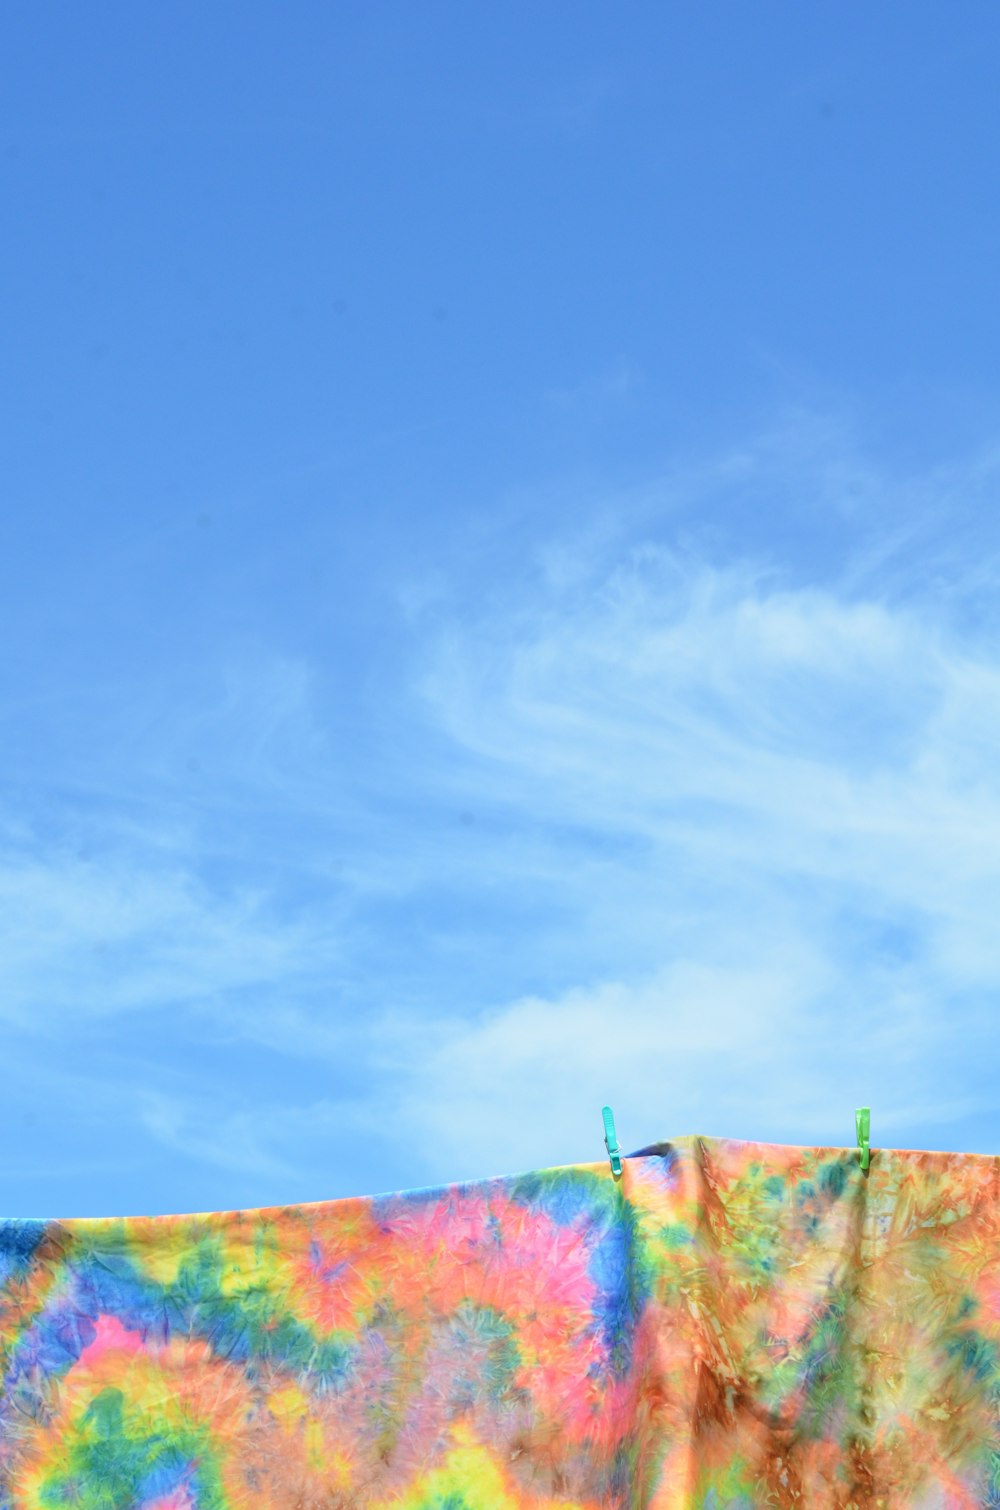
<point x="498" y="575"/>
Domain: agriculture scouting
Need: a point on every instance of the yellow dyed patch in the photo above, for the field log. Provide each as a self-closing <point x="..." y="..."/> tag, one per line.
<point x="472" y="1477"/>
<point x="315" y="1456"/>
<point x="248" y="1269"/>
<point x="292" y="1410"/>
<point x="161" y="1262"/>
<point x="288" y="1406"/>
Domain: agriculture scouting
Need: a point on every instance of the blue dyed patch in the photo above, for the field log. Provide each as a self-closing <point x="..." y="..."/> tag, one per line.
<point x="668" y="1170"/>
<point x="395" y="1205"/>
<point x="622" y="1485"/>
<point x="172" y="1470"/>
<point x="330" y="1271"/>
<point x="567" y="1195"/>
<point x="608" y="1266"/>
<point x="106" y="1282"/>
<point x="53" y="1343"/>
<point x="18" y="1241"/>
<point x="622" y="1290"/>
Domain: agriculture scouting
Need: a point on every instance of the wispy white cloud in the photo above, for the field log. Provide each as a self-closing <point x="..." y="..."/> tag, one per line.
<point x="266" y="1140"/>
<point x="689" y="812"/>
<point x="755" y="1049"/>
<point x="97" y="938"/>
<point x="799" y="785"/>
<point x="229" y="1139"/>
<point x="798" y="733"/>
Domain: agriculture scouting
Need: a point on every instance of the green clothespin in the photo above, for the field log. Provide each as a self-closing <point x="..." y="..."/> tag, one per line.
<point x="862" y="1127"/>
<point x="610" y="1141"/>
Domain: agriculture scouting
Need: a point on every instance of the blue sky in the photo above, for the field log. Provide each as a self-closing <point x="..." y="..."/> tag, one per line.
<point x="498" y="565"/>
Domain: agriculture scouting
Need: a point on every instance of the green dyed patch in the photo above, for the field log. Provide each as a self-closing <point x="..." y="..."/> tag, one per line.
<point x="976" y="1353"/>
<point x="115" y="1459"/>
<point x="674" y="1235"/>
<point x="729" y="1489"/>
<point x="833" y="1178"/>
<point x="488" y="1336"/>
<point x="253" y="1322"/>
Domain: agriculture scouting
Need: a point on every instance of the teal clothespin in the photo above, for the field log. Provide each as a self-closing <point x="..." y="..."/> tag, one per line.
<point x="610" y="1141"/>
<point x="862" y="1127"/>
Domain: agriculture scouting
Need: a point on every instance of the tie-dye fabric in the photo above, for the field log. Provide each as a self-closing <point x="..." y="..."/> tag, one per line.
<point x="725" y="1325"/>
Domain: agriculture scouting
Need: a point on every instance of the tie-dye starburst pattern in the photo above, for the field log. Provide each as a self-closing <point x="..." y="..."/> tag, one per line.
<point x="726" y="1325"/>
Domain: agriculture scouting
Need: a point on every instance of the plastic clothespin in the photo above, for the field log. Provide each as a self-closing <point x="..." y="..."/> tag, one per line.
<point x="611" y="1141"/>
<point x="862" y="1127"/>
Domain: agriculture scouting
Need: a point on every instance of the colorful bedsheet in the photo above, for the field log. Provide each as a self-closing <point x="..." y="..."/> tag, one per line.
<point x="727" y="1324"/>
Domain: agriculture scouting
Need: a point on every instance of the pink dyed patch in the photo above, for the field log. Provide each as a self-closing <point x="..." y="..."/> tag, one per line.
<point x="178" y="1499"/>
<point x="111" y="1337"/>
<point x="989" y="1295"/>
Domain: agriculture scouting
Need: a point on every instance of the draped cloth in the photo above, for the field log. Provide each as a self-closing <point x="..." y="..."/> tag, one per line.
<point x="726" y="1324"/>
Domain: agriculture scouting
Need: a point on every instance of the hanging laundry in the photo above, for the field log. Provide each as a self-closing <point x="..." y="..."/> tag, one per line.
<point x="726" y="1324"/>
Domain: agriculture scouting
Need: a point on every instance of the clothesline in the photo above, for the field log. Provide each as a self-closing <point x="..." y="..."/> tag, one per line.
<point x="862" y="1128"/>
